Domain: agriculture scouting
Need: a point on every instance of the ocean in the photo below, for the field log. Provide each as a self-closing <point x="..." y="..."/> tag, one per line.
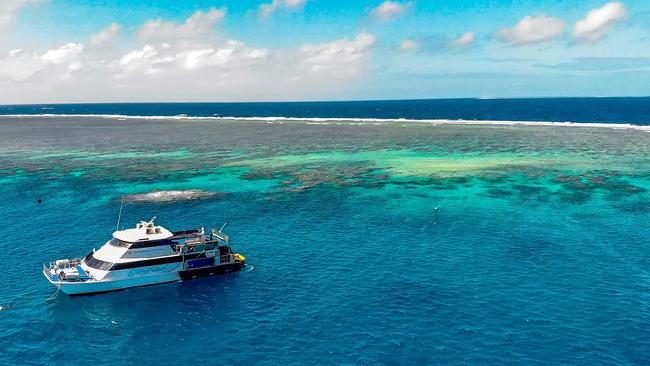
<point x="586" y="110"/>
<point x="504" y="231"/>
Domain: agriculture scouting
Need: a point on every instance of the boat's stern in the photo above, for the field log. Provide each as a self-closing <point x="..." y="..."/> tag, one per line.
<point x="68" y="276"/>
<point x="65" y="271"/>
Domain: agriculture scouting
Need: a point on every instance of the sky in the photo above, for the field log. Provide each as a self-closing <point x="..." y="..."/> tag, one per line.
<point x="79" y="51"/>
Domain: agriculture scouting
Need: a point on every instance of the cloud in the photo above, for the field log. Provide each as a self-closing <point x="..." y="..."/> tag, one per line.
<point x="463" y="41"/>
<point x="105" y="35"/>
<point x="9" y="8"/>
<point x="20" y="69"/>
<point x="197" y="25"/>
<point x="408" y="45"/>
<point x="177" y="67"/>
<point x="531" y="30"/>
<point x="166" y="59"/>
<point x="339" y="59"/>
<point x="61" y="54"/>
<point x="18" y="64"/>
<point x="598" y="21"/>
<point x="266" y="10"/>
<point x="389" y="10"/>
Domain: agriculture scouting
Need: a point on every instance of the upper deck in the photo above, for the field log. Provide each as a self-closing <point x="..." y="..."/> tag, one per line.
<point x="143" y="231"/>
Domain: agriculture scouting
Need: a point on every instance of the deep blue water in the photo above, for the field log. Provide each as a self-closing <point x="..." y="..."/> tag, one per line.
<point x="595" y="110"/>
<point x="538" y="254"/>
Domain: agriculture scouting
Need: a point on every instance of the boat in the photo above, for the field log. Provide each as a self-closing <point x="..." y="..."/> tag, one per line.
<point x="145" y="255"/>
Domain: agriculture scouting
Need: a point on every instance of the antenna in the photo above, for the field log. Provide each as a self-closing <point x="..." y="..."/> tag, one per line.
<point x="223" y="226"/>
<point x="119" y="217"/>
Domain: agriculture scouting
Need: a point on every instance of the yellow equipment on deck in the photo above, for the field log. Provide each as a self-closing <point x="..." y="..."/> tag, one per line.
<point x="239" y="258"/>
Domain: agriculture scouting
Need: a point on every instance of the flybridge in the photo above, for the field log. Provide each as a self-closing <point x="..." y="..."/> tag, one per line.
<point x="143" y="231"/>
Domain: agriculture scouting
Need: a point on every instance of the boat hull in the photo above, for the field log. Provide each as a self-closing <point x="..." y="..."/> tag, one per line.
<point x="96" y="287"/>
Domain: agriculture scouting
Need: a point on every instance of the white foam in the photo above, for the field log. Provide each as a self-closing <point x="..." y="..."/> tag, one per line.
<point x="335" y="120"/>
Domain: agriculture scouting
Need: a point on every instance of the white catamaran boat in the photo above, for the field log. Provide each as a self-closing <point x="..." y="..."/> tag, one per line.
<point x="145" y="255"/>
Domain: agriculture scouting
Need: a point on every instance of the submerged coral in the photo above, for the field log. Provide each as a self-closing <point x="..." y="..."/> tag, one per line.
<point x="170" y="196"/>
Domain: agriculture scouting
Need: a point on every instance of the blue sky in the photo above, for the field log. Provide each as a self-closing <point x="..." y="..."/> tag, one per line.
<point x="117" y="50"/>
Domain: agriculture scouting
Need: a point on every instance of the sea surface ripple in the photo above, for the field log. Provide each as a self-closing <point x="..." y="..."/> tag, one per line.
<point x="537" y="254"/>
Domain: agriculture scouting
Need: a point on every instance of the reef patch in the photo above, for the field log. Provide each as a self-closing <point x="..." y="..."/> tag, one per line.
<point x="171" y="196"/>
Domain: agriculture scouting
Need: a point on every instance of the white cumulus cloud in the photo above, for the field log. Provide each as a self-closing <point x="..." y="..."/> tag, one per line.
<point x="266" y="10"/>
<point x="339" y="59"/>
<point x="21" y="70"/>
<point x="463" y="41"/>
<point x="19" y="65"/>
<point x="183" y="61"/>
<point x="598" y="21"/>
<point x="389" y="10"/>
<point x="197" y="25"/>
<point x="532" y="29"/>
<point x="64" y="53"/>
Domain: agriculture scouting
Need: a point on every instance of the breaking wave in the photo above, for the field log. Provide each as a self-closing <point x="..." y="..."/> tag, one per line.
<point x="336" y="120"/>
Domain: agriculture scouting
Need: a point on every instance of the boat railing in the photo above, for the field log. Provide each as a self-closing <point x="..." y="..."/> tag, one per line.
<point x="46" y="269"/>
<point x="195" y="241"/>
<point x="220" y="235"/>
<point x="199" y="235"/>
<point x="228" y="258"/>
<point x="70" y="264"/>
<point x="189" y="234"/>
<point x="49" y="266"/>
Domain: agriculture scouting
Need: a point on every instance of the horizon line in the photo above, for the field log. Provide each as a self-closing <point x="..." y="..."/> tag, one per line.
<point x="331" y="100"/>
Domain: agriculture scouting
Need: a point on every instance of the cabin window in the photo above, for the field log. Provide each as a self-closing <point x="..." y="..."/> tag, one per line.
<point x="95" y="263"/>
<point x="150" y="243"/>
<point x="156" y="261"/>
<point x="119" y="243"/>
<point x="142" y="244"/>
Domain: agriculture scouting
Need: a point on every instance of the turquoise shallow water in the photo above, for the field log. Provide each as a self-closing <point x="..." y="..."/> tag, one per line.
<point x="538" y="253"/>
